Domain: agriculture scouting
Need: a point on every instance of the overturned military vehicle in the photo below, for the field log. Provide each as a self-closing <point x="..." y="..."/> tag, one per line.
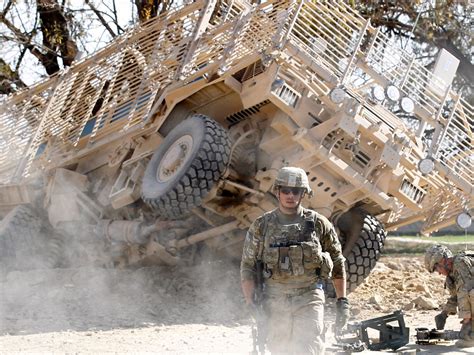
<point x="166" y="142"/>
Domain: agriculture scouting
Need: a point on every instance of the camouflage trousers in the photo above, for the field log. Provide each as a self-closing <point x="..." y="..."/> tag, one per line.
<point x="467" y="304"/>
<point x="295" y="321"/>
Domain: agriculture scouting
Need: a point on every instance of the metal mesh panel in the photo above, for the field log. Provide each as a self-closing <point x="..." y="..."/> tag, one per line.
<point x="455" y="149"/>
<point x="318" y="45"/>
<point x="110" y="92"/>
<point x="20" y="117"/>
<point x="328" y="31"/>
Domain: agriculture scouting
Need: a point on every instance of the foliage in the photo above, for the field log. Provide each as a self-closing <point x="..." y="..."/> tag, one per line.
<point x="414" y="244"/>
<point x="445" y="238"/>
<point x="425" y="26"/>
<point x="148" y="9"/>
<point x="56" y="32"/>
<point x="9" y="79"/>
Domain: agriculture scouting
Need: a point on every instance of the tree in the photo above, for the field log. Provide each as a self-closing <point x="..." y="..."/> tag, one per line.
<point x="148" y="9"/>
<point x="9" y="79"/>
<point x="56" y="32"/>
<point x="56" y="43"/>
<point x="428" y="25"/>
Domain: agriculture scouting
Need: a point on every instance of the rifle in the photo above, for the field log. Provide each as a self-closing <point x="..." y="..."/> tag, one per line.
<point x="305" y="234"/>
<point x="284" y="244"/>
<point x="259" y="333"/>
<point x="424" y="336"/>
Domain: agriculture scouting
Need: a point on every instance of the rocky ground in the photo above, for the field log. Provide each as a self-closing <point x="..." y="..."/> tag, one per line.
<point x="185" y="310"/>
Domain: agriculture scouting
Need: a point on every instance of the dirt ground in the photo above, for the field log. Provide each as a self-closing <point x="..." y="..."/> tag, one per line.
<point x="184" y="310"/>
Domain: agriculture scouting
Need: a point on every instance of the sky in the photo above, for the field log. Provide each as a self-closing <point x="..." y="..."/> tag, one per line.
<point x="23" y="13"/>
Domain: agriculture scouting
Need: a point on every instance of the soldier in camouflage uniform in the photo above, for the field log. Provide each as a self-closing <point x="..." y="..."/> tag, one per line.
<point x="298" y="248"/>
<point x="459" y="272"/>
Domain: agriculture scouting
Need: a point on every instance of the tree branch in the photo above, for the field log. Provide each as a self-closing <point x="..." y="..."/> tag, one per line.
<point x="101" y="18"/>
<point x="25" y="40"/>
<point x="114" y="11"/>
<point x="54" y="27"/>
<point x="9" y="79"/>
<point x="18" y="34"/>
<point x="6" y="9"/>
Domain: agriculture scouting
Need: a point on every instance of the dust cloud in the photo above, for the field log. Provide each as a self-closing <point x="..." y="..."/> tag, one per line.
<point x="184" y="309"/>
<point x="86" y="298"/>
<point x="65" y="278"/>
<point x="172" y="308"/>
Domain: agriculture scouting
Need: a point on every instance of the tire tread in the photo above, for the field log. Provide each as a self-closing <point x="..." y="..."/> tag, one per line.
<point x="205" y="170"/>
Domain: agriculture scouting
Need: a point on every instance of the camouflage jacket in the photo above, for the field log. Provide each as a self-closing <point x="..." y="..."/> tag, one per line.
<point x="274" y="228"/>
<point x="460" y="283"/>
<point x="451" y="305"/>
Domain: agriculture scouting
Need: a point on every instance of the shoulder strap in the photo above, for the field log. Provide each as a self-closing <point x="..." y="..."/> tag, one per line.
<point x="309" y="224"/>
<point x="310" y="215"/>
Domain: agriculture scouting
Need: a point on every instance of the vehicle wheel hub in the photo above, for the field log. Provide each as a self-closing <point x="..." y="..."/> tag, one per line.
<point x="174" y="158"/>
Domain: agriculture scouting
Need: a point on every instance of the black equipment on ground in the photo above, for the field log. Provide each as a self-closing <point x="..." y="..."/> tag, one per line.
<point x="357" y="337"/>
<point x="425" y="336"/>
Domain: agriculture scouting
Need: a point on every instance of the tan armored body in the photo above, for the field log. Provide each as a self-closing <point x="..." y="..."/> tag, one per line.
<point x="173" y="134"/>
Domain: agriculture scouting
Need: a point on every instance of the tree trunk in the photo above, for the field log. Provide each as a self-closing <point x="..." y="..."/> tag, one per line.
<point x="148" y="9"/>
<point x="56" y="37"/>
<point x="9" y="79"/>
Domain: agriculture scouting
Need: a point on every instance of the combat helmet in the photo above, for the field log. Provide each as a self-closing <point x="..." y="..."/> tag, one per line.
<point x="292" y="177"/>
<point x="434" y="254"/>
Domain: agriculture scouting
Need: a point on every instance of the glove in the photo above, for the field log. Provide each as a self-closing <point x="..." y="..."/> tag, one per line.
<point x="342" y="312"/>
<point x="440" y="320"/>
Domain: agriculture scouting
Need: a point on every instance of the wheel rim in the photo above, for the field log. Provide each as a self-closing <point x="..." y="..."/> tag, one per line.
<point x="175" y="158"/>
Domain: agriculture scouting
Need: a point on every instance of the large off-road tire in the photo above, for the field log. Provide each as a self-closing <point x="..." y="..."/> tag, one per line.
<point x="24" y="242"/>
<point x="185" y="167"/>
<point x="368" y="236"/>
<point x="365" y="253"/>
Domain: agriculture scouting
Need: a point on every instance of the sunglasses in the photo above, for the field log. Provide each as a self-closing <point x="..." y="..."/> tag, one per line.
<point x="294" y="190"/>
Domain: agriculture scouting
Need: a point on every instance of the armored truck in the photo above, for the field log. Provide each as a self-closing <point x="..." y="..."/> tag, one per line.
<point x="164" y="144"/>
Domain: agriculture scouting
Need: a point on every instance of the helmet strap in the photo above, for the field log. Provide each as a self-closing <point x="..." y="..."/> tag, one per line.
<point x="299" y="201"/>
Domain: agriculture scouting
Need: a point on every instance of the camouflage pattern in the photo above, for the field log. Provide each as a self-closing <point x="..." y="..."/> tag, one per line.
<point x="293" y="300"/>
<point x="295" y="323"/>
<point x="278" y="229"/>
<point x="292" y="177"/>
<point x="434" y="254"/>
<point x="462" y="283"/>
<point x="451" y="306"/>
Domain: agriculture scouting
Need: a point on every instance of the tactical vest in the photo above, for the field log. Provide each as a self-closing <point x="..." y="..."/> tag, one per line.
<point x="293" y="249"/>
